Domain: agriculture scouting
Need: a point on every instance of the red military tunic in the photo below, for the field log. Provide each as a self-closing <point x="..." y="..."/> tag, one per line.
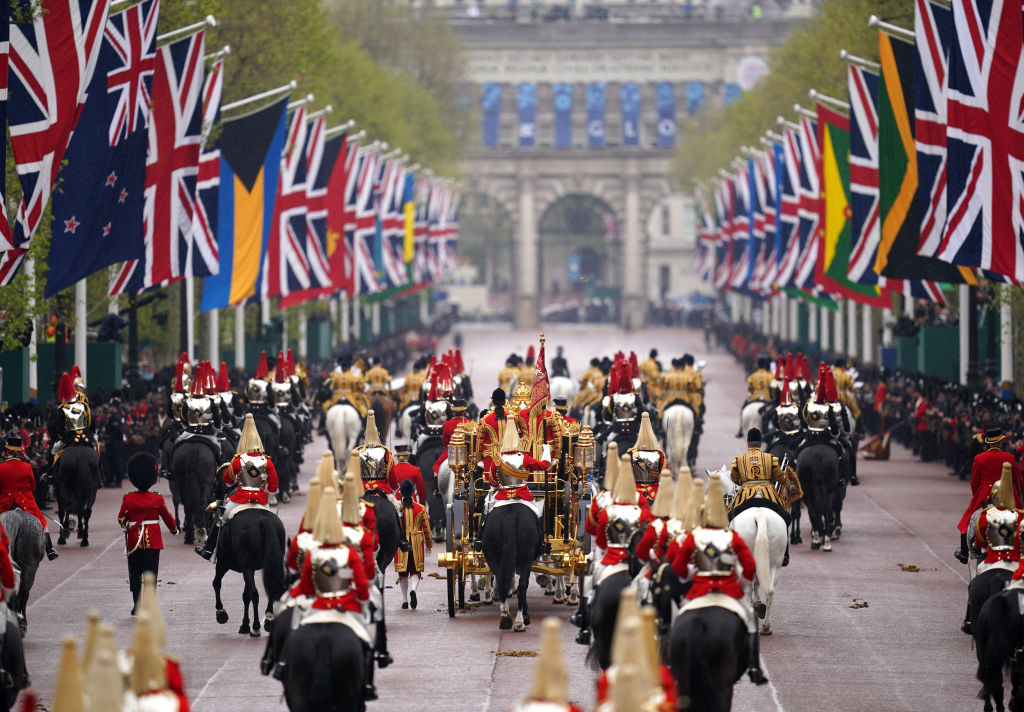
<point x="600" y="532"/>
<point x="530" y="464"/>
<point x="17" y="488"/>
<point x="551" y="435"/>
<point x="245" y="497"/>
<point x="408" y="471"/>
<point x="489" y="441"/>
<point x="986" y="471"/>
<point x="982" y="542"/>
<point x="139" y="517"/>
<point x="446" y="437"/>
<point x="6" y="569"/>
<point x="352" y="601"/>
<point x="654" y="542"/>
<point x="727" y="584"/>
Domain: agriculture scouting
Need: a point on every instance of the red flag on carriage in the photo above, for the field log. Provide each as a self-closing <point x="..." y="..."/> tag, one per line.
<point x="540" y="392"/>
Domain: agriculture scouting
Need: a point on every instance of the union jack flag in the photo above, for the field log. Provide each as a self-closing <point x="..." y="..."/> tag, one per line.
<point x="51" y="62"/>
<point x="393" y="226"/>
<point x="285" y="267"/>
<point x="864" y="220"/>
<point x="5" y="53"/>
<point x="763" y="190"/>
<point x="705" y="253"/>
<point x="420" y="266"/>
<point x="809" y="208"/>
<point x="741" y="222"/>
<point x="985" y="139"/>
<point x="365" y="227"/>
<point x="723" y="211"/>
<point x="316" y="204"/>
<point x="205" y="255"/>
<point x="933" y="25"/>
<point x="788" y="213"/>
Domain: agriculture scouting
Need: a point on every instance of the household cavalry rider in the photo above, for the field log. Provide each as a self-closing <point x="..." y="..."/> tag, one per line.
<point x="378" y="380"/>
<point x="348" y="386"/>
<point x="251" y="479"/>
<point x="986" y="472"/>
<point x="181" y="387"/>
<point x="647" y="460"/>
<point x="683" y="384"/>
<point x="845" y="386"/>
<point x="375" y="459"/>
<point x="787" y="419"/>
<point x="760" y="381"/>
<point x="721" y="563"/>
<point x="259" y="393"/>
<point x="508" y="376"/>
<point x="650" y="374"/>
<point x="71" y="421"/>
<point x="201" y="414"/>
<point x="410" y="391"/>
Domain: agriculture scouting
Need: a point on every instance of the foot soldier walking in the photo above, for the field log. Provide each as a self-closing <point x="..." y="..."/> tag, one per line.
<point x="416" y="542"/>
<point x="139" y="517"/>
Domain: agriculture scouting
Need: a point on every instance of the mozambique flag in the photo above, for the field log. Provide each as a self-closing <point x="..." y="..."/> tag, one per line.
<point x="250" y="160"/>
<point x="897" y="173"/>
<point x="837" y="231"/>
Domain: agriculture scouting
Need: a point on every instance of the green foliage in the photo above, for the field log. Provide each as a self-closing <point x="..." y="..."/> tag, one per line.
<point x="809" y="59"/>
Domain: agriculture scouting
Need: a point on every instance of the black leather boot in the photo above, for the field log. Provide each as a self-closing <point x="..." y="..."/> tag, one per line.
<point x="383" y="656"/>
<point x="754" y="668"/>
<point x="583" y="621"/>
<point x="785" y="559"/>
<point x="207" y="549"/>
<point x="961" y="552"/>
<point x="51" y="553"/>
<point x="966" y="627"/>
<point x="369" y="691"/>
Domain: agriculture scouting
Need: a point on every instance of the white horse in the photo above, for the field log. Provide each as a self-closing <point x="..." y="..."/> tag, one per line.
<point x="562" y="387"/>
<point x="677" y="422"/>
<point x="750" y="416"/>
<point x="764" y="533"/>
<point x="344" y="426"/>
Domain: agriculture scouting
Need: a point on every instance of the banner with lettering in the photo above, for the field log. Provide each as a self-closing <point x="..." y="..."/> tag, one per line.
<point x="563" y="115"/>
<point x="490" y="105"/>
<point x="694" y="96"/>
<point x="665" y="101"/>
<point x="527" y="104"/>
<point x="630" y="99"/>
<point x="595" y="115"/>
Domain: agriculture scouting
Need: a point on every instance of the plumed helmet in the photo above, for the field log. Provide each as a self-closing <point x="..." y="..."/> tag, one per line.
<point x="328" y="529"/>
<point x="65" y="390"/>
<point x="143" y="470"/>
<point x="1002" y="491"/>
<point x="715" y="515"/>
<point x="662" y="506"/>
<point x="550" y="681"/>
<point x="262" y="370"/>
<point x="681" y="495"/>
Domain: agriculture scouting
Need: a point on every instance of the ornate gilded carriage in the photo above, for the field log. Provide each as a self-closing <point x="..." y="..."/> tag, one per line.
<point x="562" y="489"/>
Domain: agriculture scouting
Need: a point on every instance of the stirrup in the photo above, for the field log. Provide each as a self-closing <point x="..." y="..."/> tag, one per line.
<point x="278" y="672"/>
<point x="212" y="506"/>
<point x="204" y="553"/>
<point x="51" y="554"/>
<point x="756" y="676"/>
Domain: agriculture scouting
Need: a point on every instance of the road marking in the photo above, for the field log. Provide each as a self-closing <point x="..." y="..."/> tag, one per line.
<point x="212" y="678"/>
<point x="908" y="530"/>
<point x="77" y="571"/>
<point x="775" y="690"/>
<point x="494" y="669"/>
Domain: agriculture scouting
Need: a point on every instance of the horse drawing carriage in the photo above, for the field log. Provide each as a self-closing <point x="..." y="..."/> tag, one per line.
<point x="558" y="497"/>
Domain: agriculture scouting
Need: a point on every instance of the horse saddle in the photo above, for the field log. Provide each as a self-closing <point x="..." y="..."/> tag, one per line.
<point x="719" y="600"/>
<point x="831" y="442"/>
<point x="210" y="441"/>
<point x="245" y="507"/>
<point x="759" y="501"/>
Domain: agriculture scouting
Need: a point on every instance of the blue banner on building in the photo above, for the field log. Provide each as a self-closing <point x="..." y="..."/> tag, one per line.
<point x="490" y="104"/>
<point x="732" y="92"/>
<point x="694" y="96"/>
<point x="630" y="98"/>
<point x="563" y="115"/>
<point x="527" y="104"/>
<point x="595" y="115"/>
<point x="665" y="101"/>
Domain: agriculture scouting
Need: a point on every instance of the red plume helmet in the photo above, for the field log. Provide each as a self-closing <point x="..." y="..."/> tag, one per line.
<point x="262" y="371"/>
<point x="432" y="395"/>
<point x="197" y="390"/>
<point x="634" y="366"/>
<point x="65" y="390"/>
<point x="821" y="392"/>
<point x="76" y="373"/>
<point x="803" y="367"/>
<point x="830" y="385"/>
<point x="778" y="369"/>
<point x="179" y="379"/>
<point x="280" y="368"/>
<point x="223" y="382"/>
<point x="785" y="398"/>
<point x="445" y="384"/>
<point x="460" y="367"/>
<point x="790" y="370"/>
<point x="290" y="360"/>
<point x="530" y="353"/>
<point x="211" y="380"/>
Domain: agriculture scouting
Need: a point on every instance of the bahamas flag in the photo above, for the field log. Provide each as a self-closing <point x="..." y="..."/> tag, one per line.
<point x="250" y="161"/>
<point x="837" y="238"/>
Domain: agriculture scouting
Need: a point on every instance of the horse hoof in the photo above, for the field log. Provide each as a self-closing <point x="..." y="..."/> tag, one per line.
<point x="244" y="629"/>
<point x="222" y="616"/>
<point x="815" y="546"/>
<point x="61" y="541"/>
<point x="526" y="619"/>
<point x="761" y="610"/>
<point x="559" y="598"/>
<point x="84" y="542"/>
<point x="837" y="532"/>
<point x="505" y="623"/>
<point x="475" y="597"/>
<point x="286" y="497"/>
<point x="826" y="545"/>
<point x="766" y="630"/>
<point x="254" y="633"/>
<point x="796" y="539"/>
<point x="190" y="540"/>
<point x="518" y="628"/>
<point x="572" y="601"/>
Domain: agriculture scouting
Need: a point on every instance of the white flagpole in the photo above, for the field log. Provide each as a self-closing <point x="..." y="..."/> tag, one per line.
<point x="210" y="21"/>
<point x="213" y="326"/>
<point x="33" y="365"/>
<point x="285" y="88"/>
<point x="240" y="336"/>
<point x="80" y="326"/>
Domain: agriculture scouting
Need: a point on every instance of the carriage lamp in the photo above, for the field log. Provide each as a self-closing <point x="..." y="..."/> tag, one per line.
<point x="585" y="449"/>
<point x="457" y="451"/>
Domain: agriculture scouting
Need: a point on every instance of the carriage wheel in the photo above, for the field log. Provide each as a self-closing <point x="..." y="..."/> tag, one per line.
<point x="462" y="588"/>
<point x="451" y="592"/>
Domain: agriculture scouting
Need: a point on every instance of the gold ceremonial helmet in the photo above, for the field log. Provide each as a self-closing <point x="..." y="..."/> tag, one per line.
<point x="521" y="396"/>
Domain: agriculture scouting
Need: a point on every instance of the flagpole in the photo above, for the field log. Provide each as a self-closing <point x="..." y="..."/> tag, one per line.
<point x="240" y="336"/>
<point x="781" y="121"/>
<point x="858" y="61"/>
<point x="343" y="308"/>
<point x="890" y="29"/>
<point x="261" y="96"/>
<point x="303" y="333"/>
<point x="190" y="316"/>
<point x="210" y="21"/>
<point x="341" y="128"/>
<point x="308" y="99"/>
<point x="284" y="330"/>
<point x="329" y="109"/>
<point x="817" y="95"/>
<point x="805" y="112"/>
<point x="80" y="325"/>
<point x="213" y="334"/>
<point x="963" y="292"/>
<point x="33" y="362"/>
<point x="851" y="328"/>
<point x="867" y="334"/>
<point x="219" y="54"/>
<point x="1005" y="338"/>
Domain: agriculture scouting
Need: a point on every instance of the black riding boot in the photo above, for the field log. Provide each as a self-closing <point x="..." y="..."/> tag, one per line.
<point x="6" y="680"/>
<point x="51" y="553"/>
<point x="785" y="559"/>
<point x="369" y="691"/>
<point x="961" y="552"/>
<point x="582" y="619"/>
<point x="966" y="627"/>
<point x="542" y="544"/>
<point x="383" y="656"/>
<point x="207" y="549"/>
<point x="754" y="668"/>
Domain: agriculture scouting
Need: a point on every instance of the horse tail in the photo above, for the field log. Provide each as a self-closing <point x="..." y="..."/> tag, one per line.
<point x="321" y="691"/>
<point x="273" y="559"/>
<point x="762" y="555"/>
<point x="186" y="477"/>
<point x="675" y="435"/>
<point x="703" y="693"/>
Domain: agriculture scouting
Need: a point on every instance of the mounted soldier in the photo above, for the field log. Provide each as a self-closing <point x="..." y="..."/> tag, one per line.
<point x="375" y="459"/>
<point x="759" y="396"/>
<point x="985" y="473"/>
<point x="647" y="460"/>
<point x="18" y="485"/>
<point x="348" y="386"/>
<point x="251" y="478"/>
<point x="70" y="423"/>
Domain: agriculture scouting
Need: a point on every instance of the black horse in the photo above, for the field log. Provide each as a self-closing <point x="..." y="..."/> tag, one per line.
<point x="193" y="477"/>
<point x="510" y="541"/>
<point x="27" y="545"/>
<point x="708" y="653"/>
<point x="254" y="539"/>
<point x="325" y="669"/>
<point x="76" y="479"/>
<point x="604" y="611"/>
<point x="983" y="587"/>
<point x="782" y="448"/>
<point x="998" y="635"/>
<point x="425" y="457"/>
<point x="13" y="654"/>
<point x="286" y="459"/>
<point x="817" y="467"/>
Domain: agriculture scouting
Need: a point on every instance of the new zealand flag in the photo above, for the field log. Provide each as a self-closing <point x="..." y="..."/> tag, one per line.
<point x="97" y="208"/>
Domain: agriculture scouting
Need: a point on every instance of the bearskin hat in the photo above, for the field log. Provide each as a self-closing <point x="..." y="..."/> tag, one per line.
<point x="143" y="470"/>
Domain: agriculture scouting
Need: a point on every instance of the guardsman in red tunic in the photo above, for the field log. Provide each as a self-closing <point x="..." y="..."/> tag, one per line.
<point x="647" y="460"/>
<point x="986" y="471"/>
<point x="253" y="473"/>
<point x="491" y="431"/>
<point x="405" y="470"/>
<point x="417" y="542"/>
<point x="655" y="539"/>
<point x="140" y="515"/>
<point x="712" y="553"/>
<point x="18" y="486"/>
